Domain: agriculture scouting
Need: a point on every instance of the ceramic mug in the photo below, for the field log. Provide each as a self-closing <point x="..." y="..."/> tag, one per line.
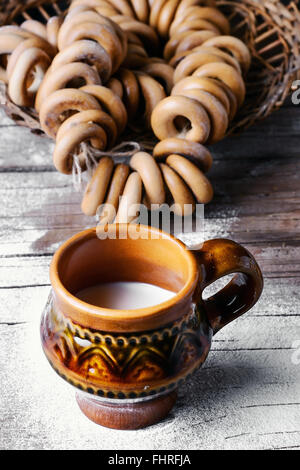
<point x="128" y="365"/>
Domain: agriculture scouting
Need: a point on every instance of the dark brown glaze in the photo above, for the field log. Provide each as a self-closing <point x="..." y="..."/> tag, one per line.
<point x="124" y="357"/>
<point x="218" y="258"/>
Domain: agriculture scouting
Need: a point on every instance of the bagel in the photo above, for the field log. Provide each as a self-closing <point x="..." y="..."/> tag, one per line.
<point x="194" y="178"/>
<point x="182" y="196"/>
<point x="53" y="109"/>
<point x="151" y="177"/>
<point x="23" y="85"/>
<point x="115" y="191"/>
<point x="166" y="112"/>
<point x="96" y="190"/>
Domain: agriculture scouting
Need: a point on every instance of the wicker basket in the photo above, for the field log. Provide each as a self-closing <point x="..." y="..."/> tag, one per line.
<point x="270" y="28"/>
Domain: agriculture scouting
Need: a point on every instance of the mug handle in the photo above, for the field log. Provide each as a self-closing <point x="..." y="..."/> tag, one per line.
<point x="218" y="258"/>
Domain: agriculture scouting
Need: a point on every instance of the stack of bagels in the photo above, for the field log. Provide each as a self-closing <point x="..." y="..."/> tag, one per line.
<point x="170" y="66"/>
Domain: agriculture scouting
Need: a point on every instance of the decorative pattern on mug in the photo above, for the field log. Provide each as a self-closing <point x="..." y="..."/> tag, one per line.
<point x="126" y="366"/>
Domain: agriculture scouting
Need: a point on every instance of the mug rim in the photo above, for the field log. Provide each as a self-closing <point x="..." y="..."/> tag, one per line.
<point x="123" y="320"/>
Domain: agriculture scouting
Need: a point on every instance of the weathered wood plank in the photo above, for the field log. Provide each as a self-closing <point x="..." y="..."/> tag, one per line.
<point x="43" y="209"/>
<point x="239" y="399"/>
<point x="20" y="149"/>
<point x="281" y="294"/>
<point x="40" y="239"/>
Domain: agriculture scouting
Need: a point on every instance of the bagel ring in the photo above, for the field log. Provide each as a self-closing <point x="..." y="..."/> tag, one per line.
<point x="141" y="9"/>
<point x="17" y="30"/>
<point x="111" y="102"/>
<point x="215" y="110"/>
<point x="63" y="101"/>
<point x="211" y="14"/>
<point x="96" y="116"/>
<point x="8" y="43"/>
<point x="151" y="177"/>
<point x="142" y="31"/>
<point x="130" y="91"/>
<point x="62" y="76"/>
<point x="35" y="27"/>
<point x="52" y="28"/>
<point x="228" y="58"/>
<point x="23" y="46"/>
<point x="226" y="74"/>
<point x="166" y="16"/>
<point x="163" y="72"/>
<point x="123" y="7"/>
<point x="192" y="62"/>
<point x="87" y="51"/>
<point x="172" y="44"/>
<point x="207" y="84"/>
<point x="153" y="94"/>
<point x="235" y="47"/>
<point x="194" y="39"/>
<point x="20" y="92"/>
<point x="75" y="18"/>
<point x="100" y="33"/>
<point x="170" y="108"/>
<point x="116" y="86"/>
<point x="197" y="153"/>
<point x="65" y="147"/>
<point x="89" y="4"/>
<point x="155" y="10"/>
<point x="183" y="198"/>
<point x="198" y="24"/>
<point x="131" y="197"/>
<point x="96" y="189"/>
<point x="114" y="193"/>
<point x="136" y="57"/>
<point x="193" y="177"/>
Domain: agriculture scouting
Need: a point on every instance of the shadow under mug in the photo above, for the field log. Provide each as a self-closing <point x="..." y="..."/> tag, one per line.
<point x="128" y="364"/>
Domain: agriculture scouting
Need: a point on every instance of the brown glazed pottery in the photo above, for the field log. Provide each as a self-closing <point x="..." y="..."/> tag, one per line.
<point x="128" y="365"/>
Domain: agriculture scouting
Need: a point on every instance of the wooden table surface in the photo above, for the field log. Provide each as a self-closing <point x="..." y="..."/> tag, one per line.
<point x="247" y="395"/>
